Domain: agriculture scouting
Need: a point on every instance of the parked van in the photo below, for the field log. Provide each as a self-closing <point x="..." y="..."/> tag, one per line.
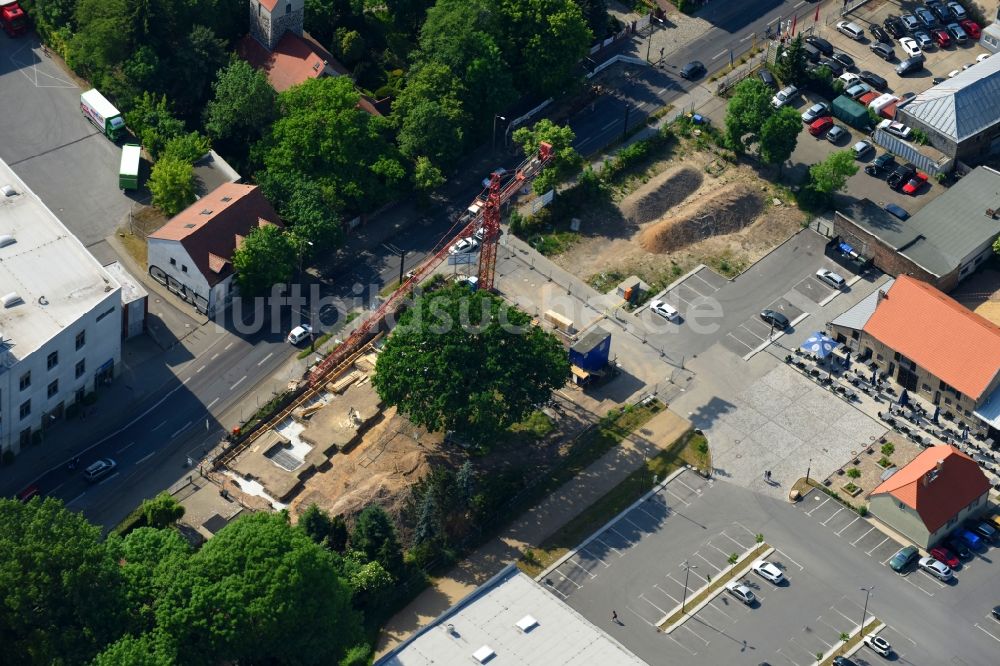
<point x="851" y="29"/>
<point x="128" y="171"/>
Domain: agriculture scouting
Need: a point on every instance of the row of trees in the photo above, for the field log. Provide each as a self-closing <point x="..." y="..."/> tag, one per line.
<point x="260" y="591"/>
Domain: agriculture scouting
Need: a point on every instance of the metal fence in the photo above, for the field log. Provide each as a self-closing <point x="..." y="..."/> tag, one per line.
<point x="910" y="153"/>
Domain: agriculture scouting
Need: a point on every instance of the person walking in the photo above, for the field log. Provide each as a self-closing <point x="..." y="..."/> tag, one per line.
<point x="614" y="616"/>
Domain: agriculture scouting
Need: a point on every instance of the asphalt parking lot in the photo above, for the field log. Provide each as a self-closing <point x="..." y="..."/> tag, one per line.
<point x="636" y="566"/>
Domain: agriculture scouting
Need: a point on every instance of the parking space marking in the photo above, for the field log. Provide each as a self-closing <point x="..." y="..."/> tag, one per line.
<point x="610" y="547"/>
<point x="593" y="556"/>
<point x="571" y="561"/>
<point x="657" y="518"/>
<point x="786" y="557"/>
<point x="789" y="659"/>
<point x="716" y="608"/>
<point x="667" y="594"/>
<point x="639" y="615"/>
<point x="841" y="614"/>
<point x="652" y="604"/>
<point x="990" y="634"/>
<point x="876" y="547"/>
<point x="720" y="550"/>
<point x="706" y="560"/>
<point x="855" y="542"/>
<point x="697" y="491"/>
<point x="831" y="517"/>
<point x="734" y="540"/>
<point x="679" y="498"/>
<point x="811" y="511"/>
<point x="848" y="525"/>
<point x="694" y="633"/>
<point x="635" y="525"/>
<point x="907" y="579"/>
<point x="686" y="648"/>
<point x="932" y="578"/>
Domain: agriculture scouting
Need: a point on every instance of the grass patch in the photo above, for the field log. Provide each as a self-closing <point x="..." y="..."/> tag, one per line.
<point x="389" y="288"/>
<point x="135" y="245"/>
<point x="320" y="341"/>
<point x="852" y="641"/>
<point x="717" y="583"/>
<point x="606" y="281"/>
<point x="691" y="449"/>
<point x="554" y="242"/>
<point x="536" y="426"/>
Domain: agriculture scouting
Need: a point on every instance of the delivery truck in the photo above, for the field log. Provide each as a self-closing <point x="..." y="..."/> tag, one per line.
<point x="128" y="172"/>
<point x="12" y="18"/>
<point x="101" y="112"/>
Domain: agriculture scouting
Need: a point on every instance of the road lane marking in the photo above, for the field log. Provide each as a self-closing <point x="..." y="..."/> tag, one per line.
<point x="661" y="91"/>
<point x="226" y="348"/>
<point x="186" y="380"/>
<point x="613" y="122"/>
<point x="774" y="20"/>
<point x="238" y="382"/>
<point x="747" y="37"/>
<point x="801" y="2"/>
<point x="264" y="360"/>
<point x="855" y="542"/>
<point x="214" y="356"/>
<point x="125" y="447"/>
<point x="718" y="55"/>
<point x="145" y="458"/>
<point x="212" y="403"/>
<point x="76" y="498"/>
<point x="53" y="491"/>
<point x="181" y="429"/>
<point x="200" y="369"/>
<point x="848" y="525"/>
<point x="159" y="426"/>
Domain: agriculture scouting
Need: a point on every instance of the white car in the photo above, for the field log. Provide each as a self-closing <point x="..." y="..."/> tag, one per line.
<point x="938" y="569"/>
<point x="299" y="333"/>
<point x="897" y="129"/>
<point x="464" y="246"/>
<point x="982" y="56"/>
<point x="953" y="73"/>
<point x="910" y="46"/>
<point x="784" y="96"/>
<point x="849" y="79"/>
<point x="768" y="571"/>
<point x="878" y="644"/>
<point x="665" y="310"/>
<point x="741" y="592"/>
<point x="835" y="280"/>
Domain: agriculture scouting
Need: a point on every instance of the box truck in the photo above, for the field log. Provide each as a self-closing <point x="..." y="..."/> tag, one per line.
<point x="128" y="172"/>
<point x="101" y="112"/>
<point x="12" y="17"/>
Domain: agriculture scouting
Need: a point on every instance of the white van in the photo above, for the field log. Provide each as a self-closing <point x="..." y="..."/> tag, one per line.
<point x="852" y="30"/>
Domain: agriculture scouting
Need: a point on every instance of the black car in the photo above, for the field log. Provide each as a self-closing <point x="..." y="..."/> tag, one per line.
<point x="880" y="164"/>
<point x="982" y="529"/>
<point x="767" y="77"/>
<point x="958" y="547"/>
<point x="894" y="26"/>
<point x="843" y="661"/>
<point x="910" y="65"/>
<point x="873" y="79"/>
<point x="813" y="54"/>
<point x="835" y="67"/>
<point x="883" y="50"/>
<point x="775" y="319"/>
<point x="940" y="10"/>
<point x="825" y="47"/>
<point x="692" y="70"/>
<point x="901" y="175"/>
<point x="844" y="59"/>
<point x="879" y="34"/>
<point x="996" y="613"/>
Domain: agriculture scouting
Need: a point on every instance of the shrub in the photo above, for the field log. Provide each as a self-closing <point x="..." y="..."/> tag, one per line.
<point x="884" y="462"/>
<point x="862" y="511"/>
<point x="919" y="136"/>
<point x="854" y="473"/>
<point x="888" y="449"/>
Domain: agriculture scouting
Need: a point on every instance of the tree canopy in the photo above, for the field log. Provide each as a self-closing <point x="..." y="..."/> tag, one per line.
<point x="779" y="135"/>
<point x="267" y="257"/>
<point x="171" y="183"/>
<point x="832" y="173"/>
<point x="792" y="64"/>
<point x="749" y="108"/>
<point x="465" y="361"/>
<point x="566" y="163"/>
<point x="242" y="107"/>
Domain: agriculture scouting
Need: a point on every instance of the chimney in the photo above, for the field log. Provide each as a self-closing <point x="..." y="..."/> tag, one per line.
<point x="882" y="294"/>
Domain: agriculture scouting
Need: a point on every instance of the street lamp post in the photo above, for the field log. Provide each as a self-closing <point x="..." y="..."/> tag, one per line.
<point x="864" y="613"/>
<point x="494" y="135"/>
<point x="649" y="41"/>
<point x="687" y="572"/>
<point x="808" y="469"/>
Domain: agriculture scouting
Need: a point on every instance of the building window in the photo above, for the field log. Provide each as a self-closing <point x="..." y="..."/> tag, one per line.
<point x="53" y="360"/>
<point x="895" y="357"/>
<point x="79" y="395"/>
<point x="288" y="8"/>
<point x="25" y="380"/>
<point x="53" y="387"/>
<point x="105" y="313"/>
<point x="855" y="335"/>
<point x="184" y="269"/>
<point x="25" y="409"/>
<point x="81" y="339"/>
<point x="81" y="367"/>
<point x="947" y="401"/>
<point x="925" y="388"/>
<point x="173" y="262"/>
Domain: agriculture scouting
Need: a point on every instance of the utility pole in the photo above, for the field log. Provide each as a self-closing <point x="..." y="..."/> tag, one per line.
<point x="625" y="129"/>
<point x="494" y="135"/>
<point x="687" y="572"/>
<point x="399" y="253"/>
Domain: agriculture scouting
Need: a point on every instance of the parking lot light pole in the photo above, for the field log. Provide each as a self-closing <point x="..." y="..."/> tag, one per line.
<point x="864" y="613"/>
<point x="808" y="469"/>
<point x="687" y="572"/>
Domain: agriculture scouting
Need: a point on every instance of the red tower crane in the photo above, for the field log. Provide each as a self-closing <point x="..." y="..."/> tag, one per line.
<point x="488" y="216"/>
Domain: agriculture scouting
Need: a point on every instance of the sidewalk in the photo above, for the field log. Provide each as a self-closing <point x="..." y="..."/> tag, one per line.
<point x="531" y="528"/>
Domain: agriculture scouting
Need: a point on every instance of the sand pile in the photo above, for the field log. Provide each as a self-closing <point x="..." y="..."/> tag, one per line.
<point x="730" y="209"/>
<point x="655" y="198"/>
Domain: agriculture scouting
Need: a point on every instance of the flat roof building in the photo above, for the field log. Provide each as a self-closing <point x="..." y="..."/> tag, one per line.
<point x="60" y="317"/>
<point x="510" y="621"/>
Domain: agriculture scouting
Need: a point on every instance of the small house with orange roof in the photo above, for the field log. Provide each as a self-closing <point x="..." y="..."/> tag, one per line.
<point x="931" y="496"/>
<point x="192" y="253"/>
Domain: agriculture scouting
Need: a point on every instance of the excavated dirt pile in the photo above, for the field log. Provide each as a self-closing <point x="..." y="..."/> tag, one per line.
<point x="729" y="209"/>
<point x="655" y="198"/>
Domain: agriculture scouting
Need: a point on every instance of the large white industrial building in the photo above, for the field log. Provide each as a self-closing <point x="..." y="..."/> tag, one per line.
<point x="60" y="316"/>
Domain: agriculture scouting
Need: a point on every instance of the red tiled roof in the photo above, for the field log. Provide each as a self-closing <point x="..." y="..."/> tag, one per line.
<point x="294" y="60"/>
<point x="269" y="5"/>
<point x="939" y="499"/>
<point x="937" y="333"/>
<point x="211" y="228"/>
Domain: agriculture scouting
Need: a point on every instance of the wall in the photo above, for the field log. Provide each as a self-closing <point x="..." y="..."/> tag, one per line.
<point x="899" y="517"/>
<point x="102" y="344"/>
<point x="268" y="28"/>
<point x="883" y="256"/>
<point x="969" y="511"/>
<point x="194" y="287"/>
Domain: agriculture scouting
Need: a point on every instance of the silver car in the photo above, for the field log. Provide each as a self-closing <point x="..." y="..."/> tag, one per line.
<point x="936" y="568"/>
<point x="741" y="592"/>
<point x="835" y="280"/>
<point x="815" y="111"/>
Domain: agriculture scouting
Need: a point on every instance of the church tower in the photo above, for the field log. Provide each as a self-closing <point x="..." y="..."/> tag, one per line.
<point x="269" y="19"/>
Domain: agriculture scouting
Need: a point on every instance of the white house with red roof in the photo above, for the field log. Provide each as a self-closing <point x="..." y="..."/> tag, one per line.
<point x="192" y="253"/>
<point x="928" y="498"/>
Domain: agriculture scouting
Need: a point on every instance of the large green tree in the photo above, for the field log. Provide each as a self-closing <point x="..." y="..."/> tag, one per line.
<point x="243" y="106"/>
<point x="267" y="256"/>
<point x="779" y="135"/>
<point x="153" y="121"/>
<point x="322" y="135"/>
<point x="199" y="57"/>
<point x="171" y="183"/>
<point x="260" y="591"/>
<point x="148" y="559"/>
<point x="792" y="64"/>
<point x="543" y="40"/>
<point x="374" y="537"/>
<point x="432" y="122"/>
<point x="61" y="596"/>
<point x="316" y="228"/>
<point x="566" y="162"/>
<point x="465" y="361"/>
<point x="832" y="173"/>
<point x="749" y="108"/>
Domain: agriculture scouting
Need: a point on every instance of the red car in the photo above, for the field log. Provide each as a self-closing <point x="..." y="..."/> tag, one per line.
<point x="819" y="126"/>
<point x="915" y="183"/>
<point x="942" y="38"/>
<point x="29" y="492"/>
<point x="942" y="554"/>
<point x="971" y="27"/>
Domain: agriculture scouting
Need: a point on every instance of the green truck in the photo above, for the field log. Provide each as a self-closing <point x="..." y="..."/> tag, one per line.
<point x="102" y="113"/>
<point x="128" y="172"/>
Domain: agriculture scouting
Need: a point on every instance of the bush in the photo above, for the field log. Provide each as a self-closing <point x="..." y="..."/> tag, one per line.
<point x="854" y="473"/>
<point x="919" y="136"/>
<point x="888" y="449"/>
<point x="862" y="511"/>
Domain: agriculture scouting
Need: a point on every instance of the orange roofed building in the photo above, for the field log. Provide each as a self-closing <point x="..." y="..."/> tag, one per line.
<point x="931" y="496"/>
<point x="933" y="347"/>
<point x="192" y="253"/>
<point x="278" y="46"/>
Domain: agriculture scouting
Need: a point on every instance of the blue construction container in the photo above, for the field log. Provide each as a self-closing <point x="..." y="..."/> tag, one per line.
<point x="591" y="351"/>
